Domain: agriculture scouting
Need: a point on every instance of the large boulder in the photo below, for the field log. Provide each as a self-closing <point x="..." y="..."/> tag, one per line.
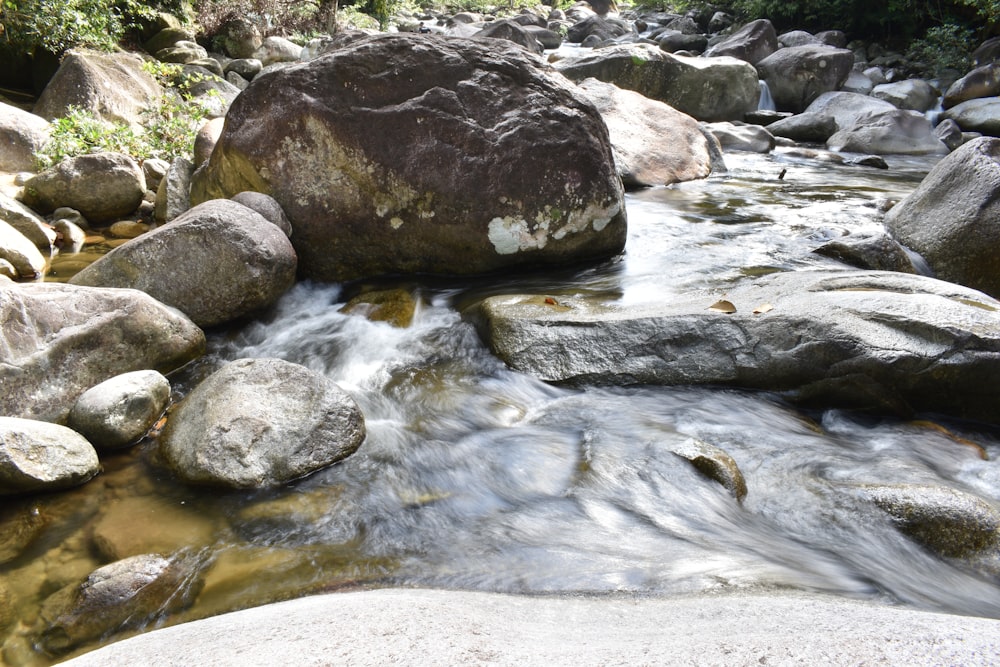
<point x="882" y="340"/>
<point x="522" y="167"/>
<point x="102" y="186"/>
<point x="752" y="43"/>
<point x="260" y="422"/>
<point x="911" y="94"/>
<point x="979" y="115"/>
<point x="38" y="456"/>
<point x="216" y="262"/>
<point x="238" y="38"/>
<point x="21" y="135"/>
<point x="60" y="340"/>
<point x="112" y="86"/>
<point x="709" y="89"/>
<point x="120" y="410"/>
<point x="798" y="75"/>
<point x="951" y="219"/>
<point x="981" y="82"/>
<point x="894" y="132"/>
<point x="654" y="144"/>
<point x="598" y="27"/>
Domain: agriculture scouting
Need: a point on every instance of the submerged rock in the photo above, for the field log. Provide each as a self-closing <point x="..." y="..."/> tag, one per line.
<point x="395" y="306"/>
<point x="260" y="422"/>
<point x="714" y="463"/>
<point x="39" y="456"/>
<point x="951" y="218"/>
<point x="146" y="524"/>
<point x="126" y="594"/>
<point x="59" y="340"/>
<point x="522" y="167"/>
<point x="215" y="263"/>
<point x="879" y="340"/>
<point x="948" y="521"/>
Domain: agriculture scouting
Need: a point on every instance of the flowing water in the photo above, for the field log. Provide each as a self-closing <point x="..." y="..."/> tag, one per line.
<point x="477" y="477"/>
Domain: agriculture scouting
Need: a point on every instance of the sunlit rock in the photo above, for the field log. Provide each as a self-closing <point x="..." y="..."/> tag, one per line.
<point x="38" y="456"/>
<point x="894" y="342"/>
<point x="101" y="186"/>
<point x="393" y="306"/>
<point x="714" y="463"/>
<point x="405" y="153"/>
<point x="260" y="422"/>
<point x="122" y="409"/>
<point x="797" y="75"/>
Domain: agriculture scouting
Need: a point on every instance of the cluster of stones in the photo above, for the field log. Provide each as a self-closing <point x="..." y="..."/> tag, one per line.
<point x="290" y="181"/>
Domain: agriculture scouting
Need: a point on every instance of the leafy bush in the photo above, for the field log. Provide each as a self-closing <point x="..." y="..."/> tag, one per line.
<point x="168" y="128"/>
<point x="943" y="47"/>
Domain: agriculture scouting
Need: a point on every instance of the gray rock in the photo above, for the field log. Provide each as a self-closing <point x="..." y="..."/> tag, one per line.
<point x="113" y="86"/>
<point x="209" y="90"/>
<point x="209" y="63"/>
<point x="797" y="38"/>
<point x="7" y="270"/>
<point x="22" y="134"/>
<point x="493" y="119"/>
<point x="260" y="422"/>
<point x="951" y="218"/>
<point x="21" y="253"/>
<point x="881" y="340"/>
<point x="950" y="522"/>
<point x="672" y="41"/>
<point x="983" y="81"/>
<point x="876" y="253"/>
<point x="173" y="196"/>
<point x="168" y="37"/>
<point x="120" y="410"/>
<point x="979" y="115"/>
<point x="71" y="214"/>
<point x="894" y="132"/>
<point x="27" y="222"/>
<point x="751" y="43"/>
<point x="248" y="264"/>
<point x="709" y="89"/>
<point x="798" y="75"/>
<point x="60" y="340"/>
<point x="277" y="50"/>
<point x="742" y="137"/>
<point x="714" y="463"/>
<point x="598" y="27"/>
<point x="204" y="142"/>
<point x="129" y="593"/>
<point x="101" y="186"/>
<point x="512" y="32"/>
<point x="807" y="127"/>
<point x="71" y="236"/>
<point x="911" y="94"/>
<point x="950" y="133"/>
<point x="238" y="38"/>
<point x="38" y="456"/>
<point x="247" y="68"/>
<point x="549" y="39"/>
<point x="182" y="53"/>
<point x="857" y="82"/>
<point x="268" y="207"/>
<point x="154" y="169"/>
<point x="847" y="109"/>
<point x="653" y="143"/>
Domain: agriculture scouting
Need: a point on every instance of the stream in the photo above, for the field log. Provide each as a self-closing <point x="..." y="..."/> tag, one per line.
<point x="476" y="477"/>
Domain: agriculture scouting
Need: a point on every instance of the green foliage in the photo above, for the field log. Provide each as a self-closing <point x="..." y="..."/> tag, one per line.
<point x="943" y="47"/>
<point x="58" y="25"/>
<point x="167" y="131"/>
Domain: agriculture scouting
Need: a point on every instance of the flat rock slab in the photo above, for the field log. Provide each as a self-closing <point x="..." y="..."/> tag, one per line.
<point x="423" y="627"/>
<point x="867" y="339"/>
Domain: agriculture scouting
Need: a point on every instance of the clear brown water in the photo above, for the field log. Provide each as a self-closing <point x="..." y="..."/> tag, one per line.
<point x="477" y="477"/>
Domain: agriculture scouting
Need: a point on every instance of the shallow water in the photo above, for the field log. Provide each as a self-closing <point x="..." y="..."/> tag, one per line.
<point x="476" y="477"/>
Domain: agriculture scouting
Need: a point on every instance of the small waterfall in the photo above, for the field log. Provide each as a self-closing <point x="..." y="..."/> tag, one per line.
<point x="766" y="102"/>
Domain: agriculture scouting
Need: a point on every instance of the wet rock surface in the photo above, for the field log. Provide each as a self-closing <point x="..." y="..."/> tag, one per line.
<point x="865" y="339"/>
<point x="260" y="422"/>
<point x="37" y="456"/>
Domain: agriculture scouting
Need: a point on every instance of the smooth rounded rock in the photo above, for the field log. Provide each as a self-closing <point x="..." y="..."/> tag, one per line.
<point x="101" y="186"/>
<point x="260" y="422"/>
<point x="121" y="410"/>
<point x="39" y="456"/>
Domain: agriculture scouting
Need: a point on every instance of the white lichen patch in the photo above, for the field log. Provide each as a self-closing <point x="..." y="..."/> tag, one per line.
<point x="510" y="235"/>
<point x="396" y="222"/>
<point x="596" y="214"/>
